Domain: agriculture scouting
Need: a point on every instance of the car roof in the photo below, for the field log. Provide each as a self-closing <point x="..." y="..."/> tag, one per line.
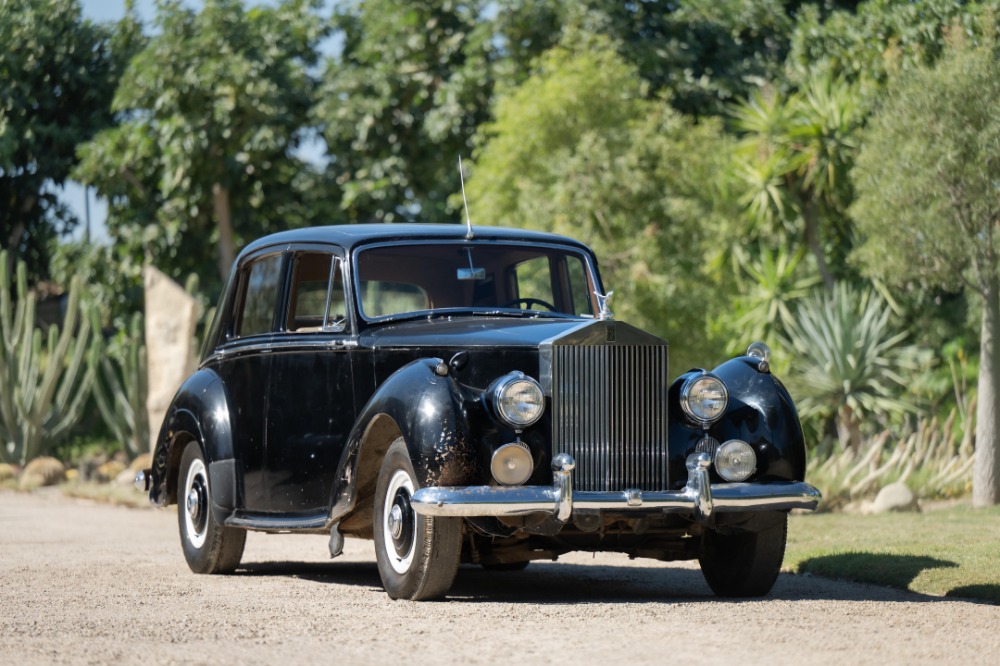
<point x="350" y="236"/>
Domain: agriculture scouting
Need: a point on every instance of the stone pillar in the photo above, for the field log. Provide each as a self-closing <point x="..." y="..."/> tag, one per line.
<point x="171" y="318"/>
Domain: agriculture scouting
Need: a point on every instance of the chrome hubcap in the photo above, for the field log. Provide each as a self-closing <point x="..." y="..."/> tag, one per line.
<point x="194" y="504"/>
<point x="396" y="521"/>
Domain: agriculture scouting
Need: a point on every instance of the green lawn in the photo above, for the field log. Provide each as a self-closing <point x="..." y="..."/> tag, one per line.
<point x="946" y="552"/>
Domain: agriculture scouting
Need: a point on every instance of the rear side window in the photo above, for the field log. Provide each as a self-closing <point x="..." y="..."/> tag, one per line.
<point x="317" y="302"/>
<point x="261" y="297"/>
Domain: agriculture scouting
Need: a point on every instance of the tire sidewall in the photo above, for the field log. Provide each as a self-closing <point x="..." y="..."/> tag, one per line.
<point x="744" y="564"/>
<point x="399" y="585"/>
<point x="217" y="549"/>
<point x="436" y="542"/>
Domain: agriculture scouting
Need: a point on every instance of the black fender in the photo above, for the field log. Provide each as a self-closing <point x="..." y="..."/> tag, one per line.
<point x="430" y="412"/>
<point x="760" y="412"/>
<point x="198" y="411"/>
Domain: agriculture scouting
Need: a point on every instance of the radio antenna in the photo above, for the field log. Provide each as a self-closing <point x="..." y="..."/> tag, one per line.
<point x="468" y="220"/>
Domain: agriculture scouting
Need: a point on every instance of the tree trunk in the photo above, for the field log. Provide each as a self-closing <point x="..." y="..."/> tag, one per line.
<point x="224" y="218"/>
<point x="985" y="477"/>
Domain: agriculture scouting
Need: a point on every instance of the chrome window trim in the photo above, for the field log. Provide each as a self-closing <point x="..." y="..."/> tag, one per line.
<point x="593" y="276"/>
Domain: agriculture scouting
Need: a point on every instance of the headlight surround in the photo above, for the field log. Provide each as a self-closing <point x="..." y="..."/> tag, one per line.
<point x="704" y="398"/>
<point x="517" y="400"/>
<point x="735" y="460"/>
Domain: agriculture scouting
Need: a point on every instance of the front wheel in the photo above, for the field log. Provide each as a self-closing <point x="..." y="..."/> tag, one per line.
<point x="209" y="548"/>
<point x="745" y="564"/>
<point x="417" y="555"/>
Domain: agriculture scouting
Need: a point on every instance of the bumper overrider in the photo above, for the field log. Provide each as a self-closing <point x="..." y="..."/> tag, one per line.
<point x="699" y="498"/>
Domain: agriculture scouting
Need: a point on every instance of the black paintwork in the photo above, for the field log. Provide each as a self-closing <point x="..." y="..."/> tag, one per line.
<point x="760" y="413"/>
<point x="286" y="420"/>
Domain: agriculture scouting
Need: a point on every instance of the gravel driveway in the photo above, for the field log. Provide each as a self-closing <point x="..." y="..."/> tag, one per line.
<point x="89" y="583"/>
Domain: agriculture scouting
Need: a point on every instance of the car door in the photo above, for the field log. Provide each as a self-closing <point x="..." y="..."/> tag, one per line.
<point x="246" y="367"/>
<point x="311" y="405"/>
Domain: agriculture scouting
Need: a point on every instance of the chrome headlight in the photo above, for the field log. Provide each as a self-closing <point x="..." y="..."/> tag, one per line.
<point x="516" y="400"/>
<point x="735" y="460"/>
<point x="704" y="398"/>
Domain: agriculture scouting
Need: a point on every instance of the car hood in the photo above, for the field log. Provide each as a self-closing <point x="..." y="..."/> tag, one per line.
<point x="469" y="331"/>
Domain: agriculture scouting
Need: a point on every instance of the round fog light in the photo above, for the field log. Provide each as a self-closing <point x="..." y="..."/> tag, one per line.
<point x="735" y="460"/>
<point x="512" y="464"/>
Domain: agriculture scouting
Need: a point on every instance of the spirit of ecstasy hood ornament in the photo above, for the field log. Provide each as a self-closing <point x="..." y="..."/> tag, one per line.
<point x="602" y="301"/>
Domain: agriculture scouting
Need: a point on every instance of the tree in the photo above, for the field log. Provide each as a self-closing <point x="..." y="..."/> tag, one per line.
<point x="867" y="43"/>
<point x="578" y="149"/>
<point x="57" y="76"/>
<point x="794" y="159"/>
<point x="213" y="110"/>
<point x="703" y="54"/>
<point x="405" y="97"/>
<point x="928" y="207"/>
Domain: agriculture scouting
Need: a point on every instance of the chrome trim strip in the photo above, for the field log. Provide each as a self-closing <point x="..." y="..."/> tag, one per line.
<point x="698" y="498"/>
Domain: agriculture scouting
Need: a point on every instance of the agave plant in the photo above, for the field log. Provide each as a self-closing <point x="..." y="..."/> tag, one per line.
<point x="850" y="363"/>
<point x="777" y="285"/>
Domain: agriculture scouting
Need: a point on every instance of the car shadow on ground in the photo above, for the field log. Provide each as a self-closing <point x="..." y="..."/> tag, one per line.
<point x="565" y="583"/>
<point x="896" y="570"/>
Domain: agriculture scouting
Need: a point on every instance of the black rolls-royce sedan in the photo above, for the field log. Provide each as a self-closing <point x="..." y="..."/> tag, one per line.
<point x="466" y="395"/>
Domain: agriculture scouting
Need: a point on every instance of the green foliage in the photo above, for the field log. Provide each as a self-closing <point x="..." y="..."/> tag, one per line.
<point x="44" y="388"/>
<point x="793" y="159"/>
<point x="404" y="98"/>
<point x="702" y="54"/>
<point x="767" y="305"/>
<point x="932" y="216"/>
<point x="878" y="38"/>
<point x="578" y="149"/>
<point x="213" y="110"/>
<point x="57" y="76"/>
<point x="849" y="361"/>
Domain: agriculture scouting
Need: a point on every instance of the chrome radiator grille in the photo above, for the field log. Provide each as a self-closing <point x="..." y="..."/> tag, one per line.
<point x="609" y="411"/>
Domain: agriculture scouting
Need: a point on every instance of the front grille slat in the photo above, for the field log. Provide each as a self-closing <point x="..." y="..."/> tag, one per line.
<point x="609" y="407"/>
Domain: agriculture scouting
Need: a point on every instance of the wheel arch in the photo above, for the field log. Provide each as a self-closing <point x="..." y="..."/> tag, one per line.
<point x="426" y="410"/>
<point x="199" y="412"/>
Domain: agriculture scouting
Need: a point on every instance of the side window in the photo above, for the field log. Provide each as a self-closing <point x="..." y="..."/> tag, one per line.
<point x="317" y="298"/>
<point x="261" y="297"/>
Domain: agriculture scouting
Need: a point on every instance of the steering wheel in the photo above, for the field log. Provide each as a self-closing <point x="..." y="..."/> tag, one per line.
<point x="528" y="302"/>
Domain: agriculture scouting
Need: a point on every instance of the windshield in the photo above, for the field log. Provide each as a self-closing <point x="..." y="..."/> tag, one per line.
<point x="417" y="278"/>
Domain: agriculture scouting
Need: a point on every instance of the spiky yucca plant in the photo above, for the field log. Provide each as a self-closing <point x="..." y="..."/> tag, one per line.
<point x="850" y="363"/>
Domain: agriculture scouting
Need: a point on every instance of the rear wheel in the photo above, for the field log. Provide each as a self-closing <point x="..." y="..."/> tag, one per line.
<point x="417" y="555"/>
<point x="745" y="564"/>
<point x="209" y="548"/>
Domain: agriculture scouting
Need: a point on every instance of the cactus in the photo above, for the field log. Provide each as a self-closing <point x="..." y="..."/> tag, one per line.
<point x="43" y="390"/>
<point x="121" y="389"/>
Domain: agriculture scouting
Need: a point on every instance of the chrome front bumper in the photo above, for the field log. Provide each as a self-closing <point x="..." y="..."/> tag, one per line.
<point x="698" y="498"/>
